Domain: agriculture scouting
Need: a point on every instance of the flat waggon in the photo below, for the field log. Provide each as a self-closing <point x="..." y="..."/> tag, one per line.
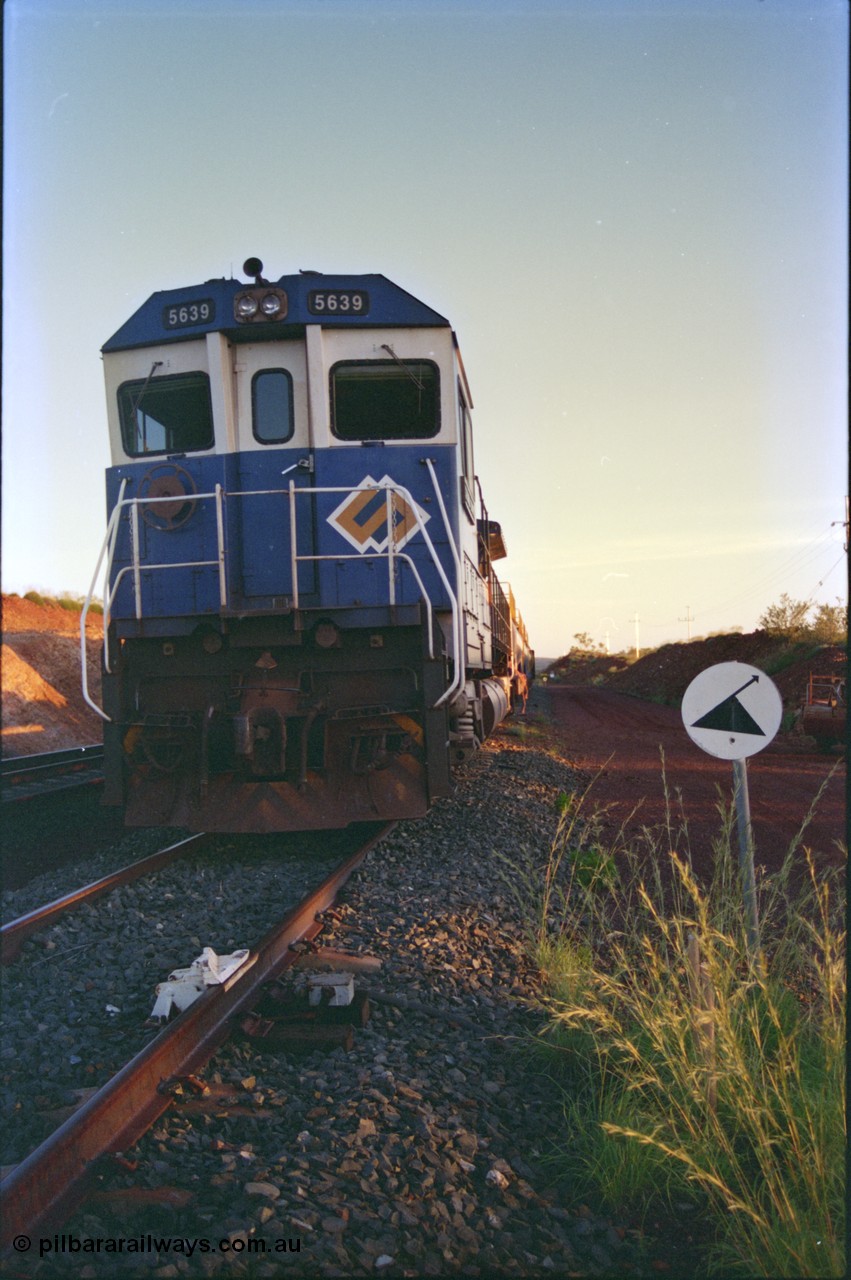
<point x="303" y="626"/>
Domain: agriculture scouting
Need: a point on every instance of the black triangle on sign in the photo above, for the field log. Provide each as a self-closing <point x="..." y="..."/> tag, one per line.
<point x="731" y="717"/>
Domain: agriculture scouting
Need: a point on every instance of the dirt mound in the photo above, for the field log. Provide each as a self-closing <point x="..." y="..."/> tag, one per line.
<point x="665" y="674"/>
<point x="582" y="667"/>
<point x="43" y="704"/>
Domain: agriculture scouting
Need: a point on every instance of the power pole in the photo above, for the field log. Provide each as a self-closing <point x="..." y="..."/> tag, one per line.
<point x="687" y="619"/>
<point x="843" y="522"/>
<point x="636" y="620"/>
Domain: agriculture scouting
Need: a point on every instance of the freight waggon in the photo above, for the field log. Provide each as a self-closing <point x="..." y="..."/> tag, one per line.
<point x="303" y="627"/>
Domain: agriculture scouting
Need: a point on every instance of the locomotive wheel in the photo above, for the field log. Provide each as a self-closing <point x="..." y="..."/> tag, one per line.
<point x="165" y="753"/>
<point x="168" y="491"/>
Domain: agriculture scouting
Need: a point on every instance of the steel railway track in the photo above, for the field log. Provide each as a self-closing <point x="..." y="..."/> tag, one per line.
<point x="24" y="777"/>
<point x="46" y="1187"/>
<point x="13" y="934"/>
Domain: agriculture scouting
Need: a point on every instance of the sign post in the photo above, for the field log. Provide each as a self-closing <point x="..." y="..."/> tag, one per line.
<point x="732" y="711"/>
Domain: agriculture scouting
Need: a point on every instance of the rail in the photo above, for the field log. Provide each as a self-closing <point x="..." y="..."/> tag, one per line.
<point x="41" y="1191"/>
<point x="15" y="932"/>
<point x="49" y="762"/>
<point x="136" y="568"/>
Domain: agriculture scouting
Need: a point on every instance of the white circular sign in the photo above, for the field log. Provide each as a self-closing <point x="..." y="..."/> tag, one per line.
<point x="732" y="710"/>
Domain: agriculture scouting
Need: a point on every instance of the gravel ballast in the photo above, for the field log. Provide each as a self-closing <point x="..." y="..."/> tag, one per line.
<point x="422" y="1151"/>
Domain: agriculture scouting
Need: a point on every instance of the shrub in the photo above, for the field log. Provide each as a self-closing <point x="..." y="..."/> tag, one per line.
<point x="792" y="619"/>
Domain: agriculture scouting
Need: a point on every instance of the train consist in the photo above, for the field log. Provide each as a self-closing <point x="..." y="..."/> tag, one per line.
<point x="302" y="623"/>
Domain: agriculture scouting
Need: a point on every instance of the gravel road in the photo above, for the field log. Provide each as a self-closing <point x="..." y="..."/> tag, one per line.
<point x="618" y="739"/>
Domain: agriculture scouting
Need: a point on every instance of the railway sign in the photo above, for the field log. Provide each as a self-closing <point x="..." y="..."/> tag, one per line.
<point x="732" y="710"/>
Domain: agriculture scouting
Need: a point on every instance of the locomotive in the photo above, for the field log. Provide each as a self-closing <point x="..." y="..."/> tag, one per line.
<point x="302" y="623"/>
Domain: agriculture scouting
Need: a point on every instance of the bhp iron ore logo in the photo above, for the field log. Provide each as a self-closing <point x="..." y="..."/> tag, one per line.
<point x="362" y="517"/>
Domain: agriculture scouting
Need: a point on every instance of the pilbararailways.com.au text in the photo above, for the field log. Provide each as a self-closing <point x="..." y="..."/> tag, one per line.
<point x="150" y="1243"/>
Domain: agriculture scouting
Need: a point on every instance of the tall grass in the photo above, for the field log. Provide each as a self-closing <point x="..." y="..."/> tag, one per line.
<point x="691" y="1072"/>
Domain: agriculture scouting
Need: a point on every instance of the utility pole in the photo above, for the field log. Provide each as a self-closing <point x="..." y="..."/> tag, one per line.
<point x="687" y="619"/>
<point x="844" y="523"/>
<point x="636" y="620"/>
<point x="608" y="631"/>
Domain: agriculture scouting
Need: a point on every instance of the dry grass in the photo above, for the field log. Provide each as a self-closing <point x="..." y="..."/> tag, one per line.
<point x="691" y="1070"/>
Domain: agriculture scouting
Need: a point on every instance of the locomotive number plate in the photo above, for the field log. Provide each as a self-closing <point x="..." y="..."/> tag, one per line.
<point x="338" y="302"/>
<point x="180" y="315"/>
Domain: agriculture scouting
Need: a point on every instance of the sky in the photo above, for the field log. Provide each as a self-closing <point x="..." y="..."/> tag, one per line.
<point x="633" y="212"/>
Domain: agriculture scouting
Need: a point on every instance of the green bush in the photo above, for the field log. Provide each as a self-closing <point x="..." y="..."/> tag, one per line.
<point x="799" y="620"/>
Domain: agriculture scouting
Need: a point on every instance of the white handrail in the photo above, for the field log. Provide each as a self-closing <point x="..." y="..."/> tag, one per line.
<point x="136" y="568"/>
<point x="408" y="497"/>
<point x="380" y="555"/>
<point x="460" y="676"/>
<point x="220" y="538"/>
<point x="110" y="528"/>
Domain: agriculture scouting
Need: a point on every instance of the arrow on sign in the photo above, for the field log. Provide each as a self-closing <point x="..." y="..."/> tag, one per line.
<point x="730" y="716"/>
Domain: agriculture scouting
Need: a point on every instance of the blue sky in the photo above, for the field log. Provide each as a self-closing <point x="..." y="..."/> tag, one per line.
<point x="632" y="211"/>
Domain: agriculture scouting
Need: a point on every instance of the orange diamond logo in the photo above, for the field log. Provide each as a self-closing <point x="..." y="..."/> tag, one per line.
<point x="362" y="516"/>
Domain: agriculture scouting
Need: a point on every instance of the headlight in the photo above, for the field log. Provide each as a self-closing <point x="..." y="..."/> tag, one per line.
<point x="257" y="306"/>
<point x="246" y="306"/>
<point x="270" y="304"/>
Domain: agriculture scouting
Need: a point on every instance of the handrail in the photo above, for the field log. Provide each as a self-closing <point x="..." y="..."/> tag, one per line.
<point x="460" y="675"/>
<point x="218" y="495"/>
<point x="381" y="555"/>
<point x="389" y="556"/>
<point x="107" y="542"/>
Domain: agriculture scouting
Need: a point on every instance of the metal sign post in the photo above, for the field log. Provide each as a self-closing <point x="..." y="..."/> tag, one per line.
<point x="743" y="819"/>
<point x="732" y="711"/>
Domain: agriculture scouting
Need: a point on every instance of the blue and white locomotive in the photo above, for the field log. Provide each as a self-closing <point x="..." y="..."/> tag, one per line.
<point x="302" y="625"/>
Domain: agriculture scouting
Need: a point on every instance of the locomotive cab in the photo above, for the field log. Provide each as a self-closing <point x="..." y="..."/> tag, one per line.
<point x="300" y="626"/>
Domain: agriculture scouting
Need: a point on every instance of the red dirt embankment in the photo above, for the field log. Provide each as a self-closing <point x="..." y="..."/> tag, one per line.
<point x="43" y="705"/>
<point x="665" y="674"/>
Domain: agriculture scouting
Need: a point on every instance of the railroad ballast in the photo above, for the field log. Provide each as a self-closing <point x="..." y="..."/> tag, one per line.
<point x="303" y="627"/>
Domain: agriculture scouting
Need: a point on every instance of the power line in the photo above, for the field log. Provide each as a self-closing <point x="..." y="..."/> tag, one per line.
<point x="822" y="581"/>
<point x="688" y="619"/>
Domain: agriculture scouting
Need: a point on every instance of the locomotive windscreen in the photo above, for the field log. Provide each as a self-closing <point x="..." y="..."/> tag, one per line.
<point x="385" y="400"/>
<point x="166" y="415"/>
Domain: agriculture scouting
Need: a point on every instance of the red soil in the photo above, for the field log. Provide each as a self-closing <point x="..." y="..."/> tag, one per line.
<point x="618" y="739"/>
